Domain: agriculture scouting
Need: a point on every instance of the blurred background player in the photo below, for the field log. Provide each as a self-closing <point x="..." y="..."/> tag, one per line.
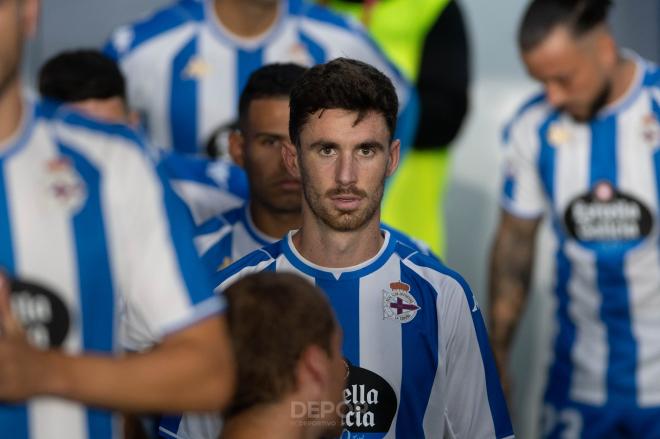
<point x="89" y="81"/>
<point x="587" y="147"/>
<point x="291" y="372"/>
<point x="391" y="301"/>
<point x="275" y="201"/>
<point x="90" y="235"/>
<point x="427" y="40"/>
<point x="187" y="64"/>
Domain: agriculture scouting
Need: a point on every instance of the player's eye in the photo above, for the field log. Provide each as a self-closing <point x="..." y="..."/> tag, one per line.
<point x="367" y="151"/>
<point x="327" y="150"/>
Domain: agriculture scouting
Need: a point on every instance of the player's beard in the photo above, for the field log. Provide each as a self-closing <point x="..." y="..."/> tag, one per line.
<point x="341" y="220"/>
<point x="601" y="99"/>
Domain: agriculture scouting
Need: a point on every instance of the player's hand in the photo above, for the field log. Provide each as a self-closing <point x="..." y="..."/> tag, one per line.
<point x="20" y="363"/>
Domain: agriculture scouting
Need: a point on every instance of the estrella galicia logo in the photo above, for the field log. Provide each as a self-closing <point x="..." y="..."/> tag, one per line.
<point x="370" y="404"/>
<point x="43" y="314"/>
<point x="607" y="217"/>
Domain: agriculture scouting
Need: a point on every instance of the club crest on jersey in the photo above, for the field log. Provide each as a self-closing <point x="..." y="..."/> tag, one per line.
<point x="558" y="135"/>
<point x="65" y="188"/>
<point x="196" y="68"/>
<point x="651" y="131"/>
<point x="398" y="303"/>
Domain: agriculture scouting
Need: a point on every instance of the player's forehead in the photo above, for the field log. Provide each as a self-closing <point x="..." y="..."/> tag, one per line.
<point x="344" y="126"/>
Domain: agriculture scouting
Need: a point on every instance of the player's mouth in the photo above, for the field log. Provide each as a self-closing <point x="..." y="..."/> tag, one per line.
<point x="346" y="201"/>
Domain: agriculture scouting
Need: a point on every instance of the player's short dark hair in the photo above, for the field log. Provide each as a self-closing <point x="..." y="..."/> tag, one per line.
<point x="77" y="75"/>
<point x="269" y="81"/>
<point x="273" y="318"/>
<point x="543" y="16"/>
<point x="344" y="84"/>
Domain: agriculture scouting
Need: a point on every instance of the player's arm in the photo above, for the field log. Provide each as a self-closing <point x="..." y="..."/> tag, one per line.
<point x="511" y="262"/>
<point x="475" y="404"/>
<point x="191" y="369"/>
<point x="193" y="364"/>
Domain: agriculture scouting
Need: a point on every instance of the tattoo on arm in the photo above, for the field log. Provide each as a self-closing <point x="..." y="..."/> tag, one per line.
<point x="511" y="264"/>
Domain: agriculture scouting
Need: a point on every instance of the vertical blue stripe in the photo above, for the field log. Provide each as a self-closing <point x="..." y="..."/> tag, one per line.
<point x="181" y="231"/>
<point x="546" y="159"/>
<point x="344" y="296"/>
<point x="315" y="50"/>
<point x="95" y="280"/>
<point x="419" y="358"/>
<point x="13" y="418"/>
<point x="407" y="122"/>
<point x="603" y="151"/>
<point x="560" y="374"/>
<point x="509" y="187"/>
<point x="248" y="62"/>
<point x="184" y="101"/>
<point x="611" y="280"/>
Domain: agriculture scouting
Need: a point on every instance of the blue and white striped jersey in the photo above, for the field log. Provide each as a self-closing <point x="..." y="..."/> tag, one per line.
<point x="185" y="71"/>
<point x="413" y="334"/>
<point x="227" y="238"/>
<point x="208" y="187"/>
<point x="601" y="181"/>
<point x="99" y="249"/>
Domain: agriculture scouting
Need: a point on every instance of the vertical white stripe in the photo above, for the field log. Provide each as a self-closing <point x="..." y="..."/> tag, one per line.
<point x="572" y="166"/>
<point x="380" y="339"/>
<point x="590" y="350"/>
<point x="642" y="264"/>
<point x="45" y="254"/>
<point x="148" y="71"/>
<point x="218" y="85"/>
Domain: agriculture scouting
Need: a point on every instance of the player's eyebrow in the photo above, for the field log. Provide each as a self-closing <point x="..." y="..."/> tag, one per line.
<point x="324" y="144"/>
<point x="371" y="144"/>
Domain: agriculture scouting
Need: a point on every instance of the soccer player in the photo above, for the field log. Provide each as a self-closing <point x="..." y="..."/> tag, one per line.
<point x="88" y="81"/>
<point x="275" y="196"/>
<point x="588" y="149"/>
<point x="411" y="325"/>
<point x="187" y="64"/>
<point x="90" y="235"/>
<point x="291" y="373"/>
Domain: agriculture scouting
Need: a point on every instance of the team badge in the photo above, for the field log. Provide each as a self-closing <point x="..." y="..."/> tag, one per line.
<point x="64" y="186"/>
<point x="197" y="68"/>
<point x="651" y="131"/>
<point x="398" y="303"/>
<point x="558" y="135"/>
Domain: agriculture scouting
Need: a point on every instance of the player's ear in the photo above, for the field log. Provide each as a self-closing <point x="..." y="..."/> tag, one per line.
<point x="290" y="158"/>
<point x="394" y="155"/>
<point x="313" y="373"/>
<point x="237" y="147"/>
<point x="30" y="17"/>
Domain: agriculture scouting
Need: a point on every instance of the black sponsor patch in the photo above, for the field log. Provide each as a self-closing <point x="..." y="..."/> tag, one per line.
<point x="370" y="402"/>
<point x="607" y="216"/>
<point x="43" y="314"/>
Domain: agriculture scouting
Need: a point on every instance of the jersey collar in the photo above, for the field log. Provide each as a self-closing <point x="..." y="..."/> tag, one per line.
<point x="344" y="273"/>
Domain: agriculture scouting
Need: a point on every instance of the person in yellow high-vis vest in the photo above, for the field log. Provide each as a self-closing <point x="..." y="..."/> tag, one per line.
<point x="428" y="42"/>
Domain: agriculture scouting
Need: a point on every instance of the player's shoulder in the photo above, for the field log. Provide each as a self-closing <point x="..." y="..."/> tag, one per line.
<point x="128" y="37"/>
<point x="529" y="114"/>
<point x="409" y="241"/>
<point x="77" y="130"/>
<point x="234" y="215"/>
<point x="651" y="74"/>
<point x="256" y="261"/>
<point x="438" y="276"/>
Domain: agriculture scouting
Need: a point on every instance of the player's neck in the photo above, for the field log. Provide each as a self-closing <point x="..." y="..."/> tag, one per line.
<point x="329" y="248"/>
<point x="272" y="421"/>
<point x="623" y="79"/>
<point x="273" y="224"/>
<point x="246" y="19"/>
<point x="11" y="112"/>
